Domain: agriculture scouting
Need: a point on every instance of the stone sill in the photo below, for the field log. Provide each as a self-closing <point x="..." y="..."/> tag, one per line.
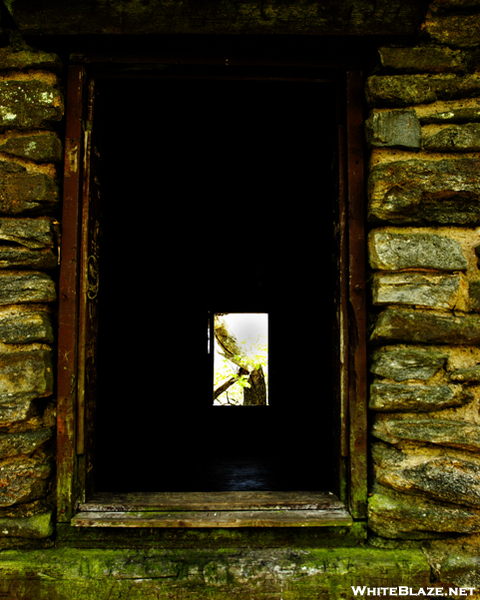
<point x="214" y="509"/>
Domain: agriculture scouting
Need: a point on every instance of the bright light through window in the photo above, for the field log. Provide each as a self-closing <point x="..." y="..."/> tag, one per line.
<point x="240" y="359"/>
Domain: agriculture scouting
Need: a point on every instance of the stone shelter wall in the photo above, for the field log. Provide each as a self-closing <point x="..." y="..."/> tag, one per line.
<point x="423" y="132"/>
<point x="31" y="111"/>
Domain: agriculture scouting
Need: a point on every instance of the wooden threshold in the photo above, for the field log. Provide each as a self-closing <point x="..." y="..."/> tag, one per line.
<point x="213" y="509"/>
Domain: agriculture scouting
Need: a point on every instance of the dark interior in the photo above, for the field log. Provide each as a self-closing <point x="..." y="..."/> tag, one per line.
<point x="216" y="195"/>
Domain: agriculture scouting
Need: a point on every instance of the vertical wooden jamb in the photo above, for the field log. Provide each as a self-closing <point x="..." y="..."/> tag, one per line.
<point x="84" y="280"/>
<point x="357" y="297"/>
<point x="68" y="297"/>
<point x="89" y="289"/>
<point x="341" y="250"/>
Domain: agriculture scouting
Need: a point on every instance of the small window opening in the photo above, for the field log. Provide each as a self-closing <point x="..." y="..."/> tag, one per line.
<point x="240" y="359"/>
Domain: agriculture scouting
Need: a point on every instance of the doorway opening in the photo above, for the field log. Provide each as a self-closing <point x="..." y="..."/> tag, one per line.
<point x="217" y="194"/>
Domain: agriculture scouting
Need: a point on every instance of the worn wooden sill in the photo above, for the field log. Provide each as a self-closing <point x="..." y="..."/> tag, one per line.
<point x="214" y="509"/>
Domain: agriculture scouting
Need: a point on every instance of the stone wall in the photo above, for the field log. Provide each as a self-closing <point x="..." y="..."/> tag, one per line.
<point x="31" y="110"/>
<point x="423" y="130"/>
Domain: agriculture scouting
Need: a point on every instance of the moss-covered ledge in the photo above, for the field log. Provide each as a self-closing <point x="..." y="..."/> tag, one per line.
<point x="291" y="574"/>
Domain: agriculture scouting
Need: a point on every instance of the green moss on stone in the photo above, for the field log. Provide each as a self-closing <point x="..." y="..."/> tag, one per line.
<point x="293" y="574"/>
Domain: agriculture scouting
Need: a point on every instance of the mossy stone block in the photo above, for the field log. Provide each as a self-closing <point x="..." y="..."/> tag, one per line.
<point x="26" y="373"/>
<point x="30" y="233"/>
<point x="398" y="397"/>
<point x="25" y="258"/>
<point x="421" y="59"/>
<point x="36" y="527"/>
<point x="418" y="327"/>
<point x="20" y="287"/>
<point x="401" y="364"/>
<point x="457" y="31"/>
<point x="24" y="325"/>
<point x="29" y="104"/>
<point x="441" y="432"/>
<point x="414" y="289"/>
<point x="22" y="191"/>
<point x="409" y="90"/>
<point x="453" y="138"/>
<point x="45" y="147"/>
<point x="400" y="516"/>
<point x="23" y="479"/>
<point x="27" y="243"/>
<point x="394" y="129"/>
<point x="260" y="574"/>
<point x="442" y="191"/>
<point x="393" y="249"/>
<point x="28" y="58"/>
<point x="434" y="476"/>
<point x="23" y="442"/>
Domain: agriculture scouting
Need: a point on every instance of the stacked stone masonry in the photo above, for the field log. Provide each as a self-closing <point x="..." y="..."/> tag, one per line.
<point x="31" y="110"/>
<point x="423" y="131"/>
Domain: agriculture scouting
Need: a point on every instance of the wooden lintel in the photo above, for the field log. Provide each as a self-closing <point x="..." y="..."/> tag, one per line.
<point x="300" y="17"/>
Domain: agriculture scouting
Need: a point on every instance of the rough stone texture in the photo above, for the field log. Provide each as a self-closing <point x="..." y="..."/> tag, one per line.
<point x="477" y="252"/>
<point x="446" y="5"/>
<point x="27" y="412"/>
<point x="409" y="90"/>
<point x="426" y="59"/>
<point x="471" y="375"/>
<point x="23" y="479"/>
<point x="474" y="294"/>
<point x="27" y="243"/>
<point x="394" y="249"/>
<point x="25" y="192"/>
<point x="45" y="147"/>
<point x="24" y="258"/>
<point x="395" y="516"/>
<point x="397" y="397"/>
<point x="200" y="573"/>
<point x="394" y="129"/>
<point x="445" y="191"/>
<point x="455" y="111"/>
<point x="28" y="58"/>
<point x="27" y="509"/>
<point x="25" y="325"/>
<point x="459" y="31"/>
<point x="410" y="326"/>
<point x="443" y="432"/>
<point x="18" y="287"/>
<point x="16" y="408"/>
<point x="427" y="291"/>
<point x="444" y="478"/>
<point x="452" y="138"/>
<point x="463" y="569"/>
<point x="26" y="442"/>
<point x="29" y="104"/>
<point x="23" y="373"/>
<point x="402" y="364"/>
<point x="447" y="480"/>
<point x="37" y="526"/>
<point x="31" y="233"/>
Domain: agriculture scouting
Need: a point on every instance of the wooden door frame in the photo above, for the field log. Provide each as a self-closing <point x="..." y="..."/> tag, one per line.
<point x="72" y="460"/>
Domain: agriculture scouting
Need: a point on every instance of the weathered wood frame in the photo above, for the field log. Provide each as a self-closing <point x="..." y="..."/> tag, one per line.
<point x="73" y="441"/>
